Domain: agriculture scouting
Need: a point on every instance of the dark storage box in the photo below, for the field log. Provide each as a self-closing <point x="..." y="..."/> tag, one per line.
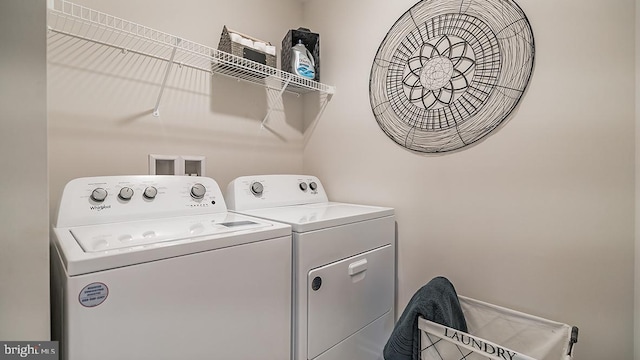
<point x="309" y="39"/>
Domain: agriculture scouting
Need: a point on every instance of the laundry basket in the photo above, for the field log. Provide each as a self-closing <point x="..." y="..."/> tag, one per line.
<point x="497" y="333"/>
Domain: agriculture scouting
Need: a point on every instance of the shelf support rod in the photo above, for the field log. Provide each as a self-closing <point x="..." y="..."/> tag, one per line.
<point x="156" y="109"/>
<point x="284" y="87"/>
<point x="325" y="97"/>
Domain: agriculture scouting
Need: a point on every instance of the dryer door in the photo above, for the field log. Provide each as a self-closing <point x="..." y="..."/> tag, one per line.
<point x="347" y="295"/>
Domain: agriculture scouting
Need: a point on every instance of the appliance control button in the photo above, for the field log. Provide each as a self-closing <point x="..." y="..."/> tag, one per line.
<point x="150" y="192"/>
<point x="125" y="238"/>
<point x="98" y="194"/>
<point x="198" y="191"/>
<point x="126" y="193"/>
<point x="313" y="186"/>
<point x="316" y="283"/>
<point x="196" y="229"/>
<point x="257" y="188"/>
<point x="303" y="186"/>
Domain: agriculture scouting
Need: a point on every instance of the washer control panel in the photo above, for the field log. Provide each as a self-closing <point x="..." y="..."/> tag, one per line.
<point x="263" y="191"/>
<point x="99" y="200"/>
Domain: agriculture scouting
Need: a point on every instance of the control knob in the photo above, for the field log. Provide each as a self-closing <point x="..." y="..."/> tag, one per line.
<point x="198" y="191"/>
<point x="313" y="186"/>
<point x="257" y="188"/>
<point x="98" y="194"/>
<point x="126" y="193"/>
<point x="150" y="192"/>
<point x="303" y="186"/>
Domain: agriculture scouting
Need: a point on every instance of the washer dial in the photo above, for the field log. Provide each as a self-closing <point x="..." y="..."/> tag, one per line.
<point x="150" y="192"/>
<point x="257" y="188"/>
<point x="198" y="191"/>
<point x="99" y="194"/>
<point x="126" y="193"/>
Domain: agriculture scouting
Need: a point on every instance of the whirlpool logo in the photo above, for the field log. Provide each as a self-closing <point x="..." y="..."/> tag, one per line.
<point x="27" y="350"/>
<point x="100" y="207"/>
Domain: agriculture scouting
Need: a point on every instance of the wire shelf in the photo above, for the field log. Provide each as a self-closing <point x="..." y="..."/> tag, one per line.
<point x="77" y="21"/>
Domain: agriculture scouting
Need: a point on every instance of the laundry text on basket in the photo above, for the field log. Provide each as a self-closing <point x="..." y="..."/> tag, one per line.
<point x="479" y="344"/>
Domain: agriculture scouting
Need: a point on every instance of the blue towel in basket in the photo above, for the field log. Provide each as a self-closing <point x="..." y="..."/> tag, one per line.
<point x="437" y="301"/>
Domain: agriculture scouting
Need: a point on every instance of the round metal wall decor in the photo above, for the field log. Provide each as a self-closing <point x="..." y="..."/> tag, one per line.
<point x="449" y="72"/>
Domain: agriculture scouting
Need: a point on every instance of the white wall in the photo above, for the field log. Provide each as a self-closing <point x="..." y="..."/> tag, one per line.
<point x="100" y="100"/>
<point x="539" y="217"/>
<point x="24" y="224"/>
<point x="637" y="197"/>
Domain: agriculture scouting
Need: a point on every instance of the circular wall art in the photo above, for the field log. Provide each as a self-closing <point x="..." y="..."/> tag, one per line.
<point x="450" y="72"/>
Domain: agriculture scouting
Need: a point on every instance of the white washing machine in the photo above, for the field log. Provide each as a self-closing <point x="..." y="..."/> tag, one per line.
<point x="344" y="265"/>
<point x="154" y="267"/>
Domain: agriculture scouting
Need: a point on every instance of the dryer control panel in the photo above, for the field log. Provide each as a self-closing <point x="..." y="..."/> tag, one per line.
<point x="107" y="199"/>
<point x="265" y="191"/>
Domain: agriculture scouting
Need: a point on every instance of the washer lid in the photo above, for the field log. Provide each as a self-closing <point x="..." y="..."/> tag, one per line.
<point x="86" y="249"/>
<point x="309" y="217"/>
<point x="103" y="237"/>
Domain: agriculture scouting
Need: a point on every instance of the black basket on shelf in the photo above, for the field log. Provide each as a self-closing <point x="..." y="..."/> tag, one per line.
<point x="310" y="40"/>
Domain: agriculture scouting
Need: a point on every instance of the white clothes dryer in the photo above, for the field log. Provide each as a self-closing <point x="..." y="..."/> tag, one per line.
<point x="154" y="267"/>
<point x="344" y="265"/>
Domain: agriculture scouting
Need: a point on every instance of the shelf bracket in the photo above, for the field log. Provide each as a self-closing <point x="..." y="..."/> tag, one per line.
<point x="270" y="110"/>
<point x="156" y="109"/>
<point x="324" y="100"/>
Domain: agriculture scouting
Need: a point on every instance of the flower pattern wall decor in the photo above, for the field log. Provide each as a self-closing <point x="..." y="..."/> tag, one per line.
<point x="449" y="72"/>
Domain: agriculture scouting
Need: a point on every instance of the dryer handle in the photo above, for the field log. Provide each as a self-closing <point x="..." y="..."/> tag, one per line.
<point x="357" y="267"/>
